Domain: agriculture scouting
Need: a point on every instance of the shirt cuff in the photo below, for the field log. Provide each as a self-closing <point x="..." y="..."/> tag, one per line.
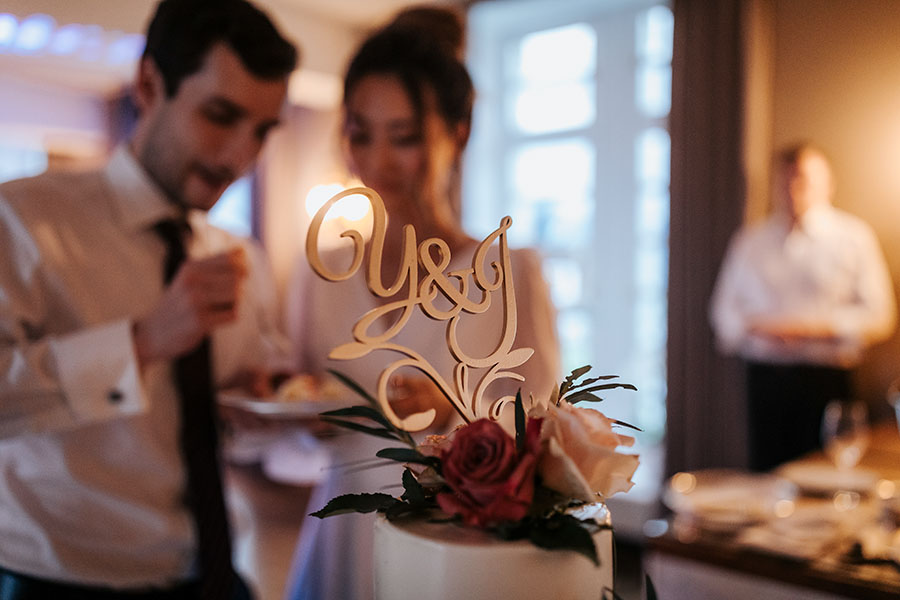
<point x="98" y="372"/>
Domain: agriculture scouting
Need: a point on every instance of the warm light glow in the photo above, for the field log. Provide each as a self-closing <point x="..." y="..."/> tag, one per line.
<point x="352" y="208"/>
<point x="844" y="501"/>
<point x="886" y="489"/>
<point x="684" y="483"/>
<point x="784" y="508"/>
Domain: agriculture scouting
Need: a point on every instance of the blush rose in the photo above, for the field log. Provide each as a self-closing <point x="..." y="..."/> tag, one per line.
<point x="579" y="458"/>
<point x="490" y="481"/>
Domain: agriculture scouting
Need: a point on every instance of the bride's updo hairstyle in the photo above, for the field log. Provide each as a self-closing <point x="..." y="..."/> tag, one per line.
<point x="422" y="48"/>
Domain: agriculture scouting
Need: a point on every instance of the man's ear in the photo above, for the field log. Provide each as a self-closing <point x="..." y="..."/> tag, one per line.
<point x="149" y="88"/>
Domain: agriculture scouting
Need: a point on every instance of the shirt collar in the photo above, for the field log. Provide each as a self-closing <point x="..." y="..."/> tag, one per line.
<point x="137" y="198"/>
<point x="816" y="219"/>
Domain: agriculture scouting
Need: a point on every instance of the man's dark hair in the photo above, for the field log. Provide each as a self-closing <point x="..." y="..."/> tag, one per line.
<point x="182" y="32"/>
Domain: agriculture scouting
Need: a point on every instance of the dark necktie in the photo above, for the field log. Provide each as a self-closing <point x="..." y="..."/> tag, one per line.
<point x="199" y="444"/>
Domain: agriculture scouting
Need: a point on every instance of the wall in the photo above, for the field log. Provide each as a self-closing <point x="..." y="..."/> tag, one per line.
<point x="836" y="80"/>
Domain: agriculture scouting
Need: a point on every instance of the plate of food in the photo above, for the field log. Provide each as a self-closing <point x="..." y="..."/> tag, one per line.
<point x="723" y="499"/>
<point x="823" y="479"/>
<point x="299" y="396"/>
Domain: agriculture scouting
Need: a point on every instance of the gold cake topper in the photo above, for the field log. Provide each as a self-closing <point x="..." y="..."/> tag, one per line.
<point x="433" y="256"/>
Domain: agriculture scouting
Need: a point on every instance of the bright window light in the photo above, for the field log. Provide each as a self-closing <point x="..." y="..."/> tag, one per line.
<point x="556" y="108"/>
<point x="34" y="33"/>
<point x="233" y="210"/>
<point x="654" y="35"/>
<point x="565" y="279"/>
<point x="654" y="90"/>
<point x="558" y="169"/>
<point x="562" y="54"/>
<point x="652" y="155"/>
<point x="8" y="27"/>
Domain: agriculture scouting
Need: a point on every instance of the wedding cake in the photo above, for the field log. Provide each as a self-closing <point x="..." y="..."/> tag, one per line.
<point x="420" y="560"/>
<point x="519" y="512"/>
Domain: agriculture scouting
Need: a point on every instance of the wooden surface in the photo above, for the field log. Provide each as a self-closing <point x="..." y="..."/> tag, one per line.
<point x="840" y="576"/>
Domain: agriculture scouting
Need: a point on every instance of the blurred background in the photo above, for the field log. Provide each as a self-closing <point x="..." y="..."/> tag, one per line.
<point x="610" y="157"/>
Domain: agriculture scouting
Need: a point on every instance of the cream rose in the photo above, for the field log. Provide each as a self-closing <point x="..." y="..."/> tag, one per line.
<point x="579" y="458"/>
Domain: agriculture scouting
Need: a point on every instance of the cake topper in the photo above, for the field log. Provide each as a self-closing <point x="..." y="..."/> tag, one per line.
<point x="433" y="256"/>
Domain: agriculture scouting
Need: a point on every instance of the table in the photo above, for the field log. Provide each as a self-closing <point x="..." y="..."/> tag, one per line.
<point x="696" y="565"/>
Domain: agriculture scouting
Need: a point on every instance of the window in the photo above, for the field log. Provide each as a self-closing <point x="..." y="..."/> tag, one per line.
<point x="16" y="161"/>
<point x="570" y="139"/>
<point x="234" y="210"/>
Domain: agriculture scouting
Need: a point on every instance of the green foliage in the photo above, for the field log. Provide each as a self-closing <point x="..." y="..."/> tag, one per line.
<point x="573" y="391"/>
<point x="563" y="532"/>
<point x="520" y="422"/>
<point x="409" y="455"/>
<point x="363" y="503"/>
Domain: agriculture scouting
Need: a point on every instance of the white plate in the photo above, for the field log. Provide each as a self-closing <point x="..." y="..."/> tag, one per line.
<point x="276" y="408"/>
<point x="825" y="479"/>
<point x="724" y="499"/>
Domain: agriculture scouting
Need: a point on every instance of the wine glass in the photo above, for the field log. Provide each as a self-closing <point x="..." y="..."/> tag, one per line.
<point x="845" y="438"/>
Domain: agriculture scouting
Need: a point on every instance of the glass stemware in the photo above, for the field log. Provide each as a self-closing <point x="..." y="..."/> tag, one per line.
<point x="845" y="432"/>
<point x="845" y="438"/>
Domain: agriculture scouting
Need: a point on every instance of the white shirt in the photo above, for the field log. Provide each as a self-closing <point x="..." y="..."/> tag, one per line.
<point x="828" y="269"/>
<point x="91" y="477"/>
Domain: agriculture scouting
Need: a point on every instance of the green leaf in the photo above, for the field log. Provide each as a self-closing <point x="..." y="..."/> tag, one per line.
<point x="651" y="591"/>
<point x="566" y="385"/>
<point x="354" y="386"/>
<point x="362" y="503"/>
<point x="520" y="423"/>
<point x="609" y="386"/>
<point x="408" y="455"/>
<point x="563" y="532"/>
<point x="576" y="397"/>
<point x="376" y="431"/>
<point x="591" y="380"/>
<point x="365" y="412"/>
<point x="401" y="508"/>
<point x="414" y="492"/>
<point x="624" y="424"/>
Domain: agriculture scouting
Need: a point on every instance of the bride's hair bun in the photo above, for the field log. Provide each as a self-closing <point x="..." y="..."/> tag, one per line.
<point x="444" y="25"/>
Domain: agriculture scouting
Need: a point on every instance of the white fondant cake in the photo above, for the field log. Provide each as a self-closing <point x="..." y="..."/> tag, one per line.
<point x="419" y="560"/>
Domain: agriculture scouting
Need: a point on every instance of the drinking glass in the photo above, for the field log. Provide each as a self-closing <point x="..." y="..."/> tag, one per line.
<point x="845" y="438"/>
<point x="845" y="432"/>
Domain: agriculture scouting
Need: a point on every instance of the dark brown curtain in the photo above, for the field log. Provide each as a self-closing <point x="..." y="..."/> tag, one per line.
<point x="705" y="401"/>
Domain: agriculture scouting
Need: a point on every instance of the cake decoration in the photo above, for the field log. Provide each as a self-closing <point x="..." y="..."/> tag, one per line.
<point x="544" y="483"/>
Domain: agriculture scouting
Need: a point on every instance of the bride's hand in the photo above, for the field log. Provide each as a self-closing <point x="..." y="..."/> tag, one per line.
<point x="410" y="395"/>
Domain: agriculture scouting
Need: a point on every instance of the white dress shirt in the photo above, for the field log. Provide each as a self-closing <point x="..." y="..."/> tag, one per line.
<point x="828" y="269"/>
<point x="91" y="478"/>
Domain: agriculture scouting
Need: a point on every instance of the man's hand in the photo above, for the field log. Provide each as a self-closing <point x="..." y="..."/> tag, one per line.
<point x="202" y="296"/>
<point x="788" y="331"/>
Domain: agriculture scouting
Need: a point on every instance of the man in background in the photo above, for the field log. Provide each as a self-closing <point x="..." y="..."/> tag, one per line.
<point x="121" y="311"/>
<point x="800" y="296"/>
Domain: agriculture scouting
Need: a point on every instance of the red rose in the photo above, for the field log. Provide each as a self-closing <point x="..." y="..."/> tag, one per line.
<point x="491" y="482"/>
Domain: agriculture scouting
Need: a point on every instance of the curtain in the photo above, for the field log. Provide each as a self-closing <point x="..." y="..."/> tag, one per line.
<point x="705" y="402"/>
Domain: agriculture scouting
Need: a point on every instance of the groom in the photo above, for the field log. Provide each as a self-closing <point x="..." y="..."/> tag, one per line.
<point x="121" y="309"/>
